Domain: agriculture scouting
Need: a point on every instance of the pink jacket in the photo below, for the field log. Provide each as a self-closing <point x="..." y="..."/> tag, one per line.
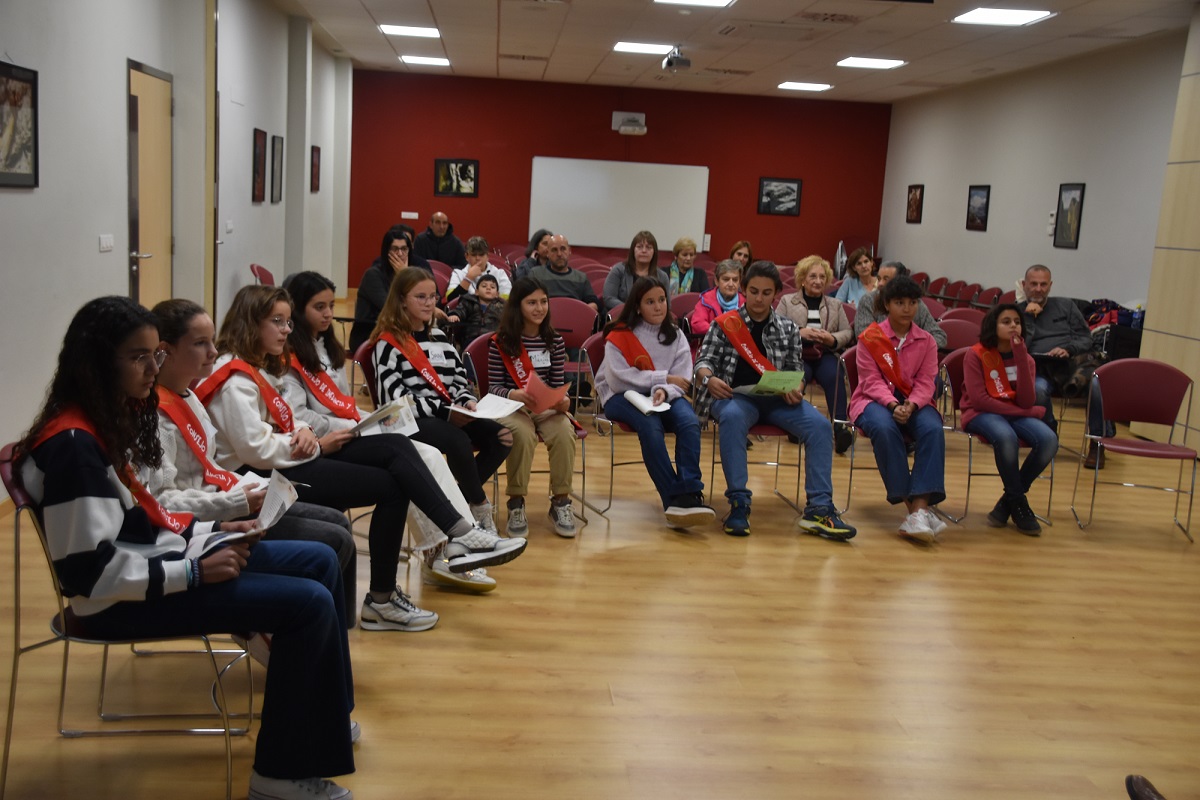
<point x="975" y="399"/>
<point x="918" y="365"/>
<point x="708" y="308"/>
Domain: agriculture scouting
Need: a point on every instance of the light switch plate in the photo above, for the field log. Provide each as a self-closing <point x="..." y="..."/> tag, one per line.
<point x="106" y="242"/>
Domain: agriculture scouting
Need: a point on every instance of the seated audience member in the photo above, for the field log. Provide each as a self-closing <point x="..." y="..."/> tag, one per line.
<point x="414" y="358"/>
<point x="414" y="260"/>
<point x="558" y="279"/>
<point x="866" y="313"/>
<point x="897" y="365"/>
<point x="120" y="556"/>
<point x="524" y="344"/>
<point x="462" y="280"/>
<point x="373" y="288"/>
<point x="742" y="253"/>
<point x="684" y="274"/>
<point x="739" y="347"/>
<point x="998" y="403"/>
<point x="478" y="313"/>
<point x="536" y="254"/>
<point x="642" y="261"/>
<point x="1060" y="341"/>
<point x="644" y="352"/>
<point x="189" y="481"/>
<point x="317" y="389"/>
<point x="438" y="242"/>
<point x="860" y="278"/>
<point x="722" y="298"/>
<point x="824" y="331"/>
<point x="256" y="428"/>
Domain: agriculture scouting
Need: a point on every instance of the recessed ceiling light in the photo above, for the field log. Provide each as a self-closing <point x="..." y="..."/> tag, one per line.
<point x="870" y="63"/>
<point x="1002" y="16"/>
<point x="805" y="87"/>
<point x="426" y="60"/>
<point x="704" y="3"/>
<point x="410" y="30"/>
<point x="643" y="47"/>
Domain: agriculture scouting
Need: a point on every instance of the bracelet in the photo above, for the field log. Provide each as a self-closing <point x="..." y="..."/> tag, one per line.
<point x="196" y="573"/>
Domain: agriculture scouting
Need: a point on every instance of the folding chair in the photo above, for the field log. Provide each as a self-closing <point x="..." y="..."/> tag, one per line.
<point x="920" y="279"/>
<point x="966" y="295"/>
<point x="684" y="304"/>
<point x="972" y="315"/>
<point x="949" y="295"/>
<point x="575" y="321"/>
<point x="781" y="438"/>
<point x="987" y="298"/>
<point x="936" y="309"/>
<point x="936" y="287"/>
<point x="959" y="333"/>
<point x="262" y="275"/>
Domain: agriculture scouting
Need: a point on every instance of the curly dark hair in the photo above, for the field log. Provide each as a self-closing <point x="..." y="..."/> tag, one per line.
<point x="512" y="321"/>
<point x="898" y="287"/>
<point x="987" y="326"/>
<point x="303" y="287"/>
<point x="87" y="378"/>
<point x="631" y="311"/>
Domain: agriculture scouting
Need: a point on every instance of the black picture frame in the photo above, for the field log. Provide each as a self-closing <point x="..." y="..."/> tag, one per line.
<point x="18" y="113"/>
<point x="314" y="170"/>
<point x="455" y="177"/>
<point x="276" y="169"/>
<point x="915" y="204"/>
<point x="979" y="198"/>
<point x="779" y="197"/>
<point x="1070" y="214"/>
<point x="258" y="167"/>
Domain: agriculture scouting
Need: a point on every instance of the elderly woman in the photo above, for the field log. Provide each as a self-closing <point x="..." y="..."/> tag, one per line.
<point x="683" y="273"/>
<point x="860" y="279"/>
<point x="721" y="298"/>
<point x="642" y="262"/>
<point x="824" y="330"/>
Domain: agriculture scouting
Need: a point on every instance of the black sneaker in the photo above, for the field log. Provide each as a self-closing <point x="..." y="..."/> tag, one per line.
<point x="1023" y="516"/>
<point x="687" y="510"/>
<point x="738" y="521"/>
<point x="843" y="437"/>
<point x="998" y="516"/>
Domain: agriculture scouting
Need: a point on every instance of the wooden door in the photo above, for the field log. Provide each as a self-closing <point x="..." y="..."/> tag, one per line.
<point x="151" y="243"/>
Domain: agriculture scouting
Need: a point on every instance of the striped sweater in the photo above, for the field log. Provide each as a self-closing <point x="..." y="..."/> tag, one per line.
<point x="551" y="373"/>
<point x="395" y="376"/>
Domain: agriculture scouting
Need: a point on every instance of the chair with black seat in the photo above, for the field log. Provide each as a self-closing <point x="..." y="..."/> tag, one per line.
<point x="65" y="628"/>
<point x="1142" y="390"/>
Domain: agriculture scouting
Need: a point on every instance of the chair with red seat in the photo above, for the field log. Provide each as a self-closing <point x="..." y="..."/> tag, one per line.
<point x="936" y="309"/>
<point x="987" y="298"/>
<point x="683" y="304"/>
<point x="262" y="275"/>
<point x="921" y="279"/>
<point x="972" y="315"/>
<point x="936" y="287"/>
<point x="949" y="295"/>
<point x="1008" y="297"/>
<point x="966" y="295"/>
<point x="1142" y="390"/>
<point x="959" y="333"/>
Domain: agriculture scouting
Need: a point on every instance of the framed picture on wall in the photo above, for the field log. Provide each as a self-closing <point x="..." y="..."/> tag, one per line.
<point x="314" y="170"/>
<point x="779" y="197"/>
<point x="978" y="198"/>
<point x="916" y="203"/>
<point x="276" y="169"/>
<point x="18" y="126"/>
<point x="455" y="177"/>
<point x="1070" y="210"/>
<point x="258" y="167"/>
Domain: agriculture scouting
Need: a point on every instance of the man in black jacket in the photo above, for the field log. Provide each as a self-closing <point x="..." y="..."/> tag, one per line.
<point x="438" y="242"/>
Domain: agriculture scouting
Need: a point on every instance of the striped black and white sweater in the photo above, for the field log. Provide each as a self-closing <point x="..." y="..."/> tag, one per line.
<point x="551" y="373"/>
<point x="395" y="376"/>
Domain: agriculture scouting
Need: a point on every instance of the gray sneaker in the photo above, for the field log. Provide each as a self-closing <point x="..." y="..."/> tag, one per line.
<point x="563" y="518"/>
<point x="478" y="548"/>
<point x="484" y="517"/>
<point x="397" y="614"/>
<point x="263" y="788"/>
<point x="435" y="571"/>
<point x="518" y="525"/>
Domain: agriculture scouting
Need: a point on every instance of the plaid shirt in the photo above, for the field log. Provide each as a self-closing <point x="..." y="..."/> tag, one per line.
<point x="781" y="346"/>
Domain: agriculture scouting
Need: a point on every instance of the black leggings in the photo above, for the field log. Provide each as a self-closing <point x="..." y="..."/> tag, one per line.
<point x="383" y="471"/>
<point x="459" y="445"/>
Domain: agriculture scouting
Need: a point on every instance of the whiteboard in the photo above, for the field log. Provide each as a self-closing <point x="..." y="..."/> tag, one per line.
<point x="604" y="203"/>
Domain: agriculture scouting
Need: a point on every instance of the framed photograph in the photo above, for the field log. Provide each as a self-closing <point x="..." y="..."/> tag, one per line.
<point x="276" y="169"/>
<point x="779" y="197"/>
<point x="978" y="198"/>
<point x="1070" y="210"/>
<point x="455" y="177"/>
<point x="916" y="204"/>
<point x="314" y="170"/>
<point x="258" y="182"/>
<point x="18" y="126"/>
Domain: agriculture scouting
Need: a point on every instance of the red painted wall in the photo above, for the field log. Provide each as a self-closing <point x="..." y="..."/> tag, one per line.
<point x="403" y="122"/>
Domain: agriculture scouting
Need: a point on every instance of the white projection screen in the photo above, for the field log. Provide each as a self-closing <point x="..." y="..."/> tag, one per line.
<point x="604" y="203"/>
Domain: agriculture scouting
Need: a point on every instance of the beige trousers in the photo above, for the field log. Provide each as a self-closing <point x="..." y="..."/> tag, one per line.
<point x="558" y="433"/>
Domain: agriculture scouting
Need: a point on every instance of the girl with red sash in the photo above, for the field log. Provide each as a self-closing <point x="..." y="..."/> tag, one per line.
<point x="893" y="403"/>
<point x="256" y="428"/>
<point x="413" y="358"/>
<point x="526" y="343"/>
<point x="646" y="353"/>
<point x="998" y="405"/>
<point x="120" y="558"/>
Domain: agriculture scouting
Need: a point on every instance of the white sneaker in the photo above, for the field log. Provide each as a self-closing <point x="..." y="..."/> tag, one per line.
<point x="355" y="732"/>
<point x="484" y="517"/>
<point x="518" y="524"/>
<point x="563" y="518"/>
<point x="256" y="645"/>
<point x="934" y="522"/>
<point x="397" y="614"/>
<point x="915" y="528"/>
<point x="435" y="571"/>
<point x="478" y="548"/>
<point x="263" y="788"/>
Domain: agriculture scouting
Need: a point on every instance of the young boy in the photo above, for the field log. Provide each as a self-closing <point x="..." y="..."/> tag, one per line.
<point x="478" y="313"/>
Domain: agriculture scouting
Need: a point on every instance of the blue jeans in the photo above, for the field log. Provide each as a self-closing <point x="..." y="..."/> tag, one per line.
<point x="825" y="371"/>
<point x="928" y="475"/>
<point x="1003" y="433"/>
<point x="735" y="417"/>
<point x="671" y="481"/>
<point x="294" y="591"/>
<point x="1095" y="420"/>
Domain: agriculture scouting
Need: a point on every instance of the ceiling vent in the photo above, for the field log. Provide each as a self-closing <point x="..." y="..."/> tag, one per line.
<point x="506" y="57"/>
<point x="775" y="31"/>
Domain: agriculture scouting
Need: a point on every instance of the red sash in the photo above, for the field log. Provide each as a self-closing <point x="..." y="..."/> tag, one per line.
<point x="180" y="413"/>
<point x="994" y="374"/>
<point x="327" y="393"/>
<point x="519" y="369"/>
<point x="73" y="419"/>
<point x="632" y="348"/>
<point x="880" y="347"/>
<point x="739" y="336"/>
<point x="280" y="411"/>
<point x="411" y="350"/>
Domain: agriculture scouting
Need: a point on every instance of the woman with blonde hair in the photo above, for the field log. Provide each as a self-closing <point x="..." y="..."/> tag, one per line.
<point x="684" y="275"/>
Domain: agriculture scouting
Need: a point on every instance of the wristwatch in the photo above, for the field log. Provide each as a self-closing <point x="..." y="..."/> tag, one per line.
<point x="704" y="381"/>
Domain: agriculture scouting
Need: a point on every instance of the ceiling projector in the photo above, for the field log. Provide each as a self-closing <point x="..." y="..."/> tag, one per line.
<point x="676" y="61"/>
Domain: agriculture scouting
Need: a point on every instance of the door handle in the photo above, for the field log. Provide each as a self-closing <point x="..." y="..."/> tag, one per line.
<point x="136" y="254"/>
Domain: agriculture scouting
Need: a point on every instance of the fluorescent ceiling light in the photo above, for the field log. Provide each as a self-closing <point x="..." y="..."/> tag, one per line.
<point x="410" y="30"/>
<point x="426" y="60"/>
<point x="805" y="87"/>
<point x="1002" y="16"/>
<point x="704" y="3"/>
<point x="643" y="47"/>
<point x="870" y="63"/>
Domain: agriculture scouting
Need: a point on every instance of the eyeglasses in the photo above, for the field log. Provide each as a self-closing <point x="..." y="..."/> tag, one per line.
<point x="424" y="298"/>
<point x="143" y="360"/>
<point x="399" y="248"/>
<point x="283" y="323"/>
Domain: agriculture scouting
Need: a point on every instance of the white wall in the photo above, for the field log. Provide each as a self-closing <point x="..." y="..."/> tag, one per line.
<point x="1102" y="120"/>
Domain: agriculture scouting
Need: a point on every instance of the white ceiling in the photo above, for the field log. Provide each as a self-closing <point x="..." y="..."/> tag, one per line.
<point x="747" y="48"/>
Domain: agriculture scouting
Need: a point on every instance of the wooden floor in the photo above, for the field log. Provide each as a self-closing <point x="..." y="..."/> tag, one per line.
<point x="637" y="662"/>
